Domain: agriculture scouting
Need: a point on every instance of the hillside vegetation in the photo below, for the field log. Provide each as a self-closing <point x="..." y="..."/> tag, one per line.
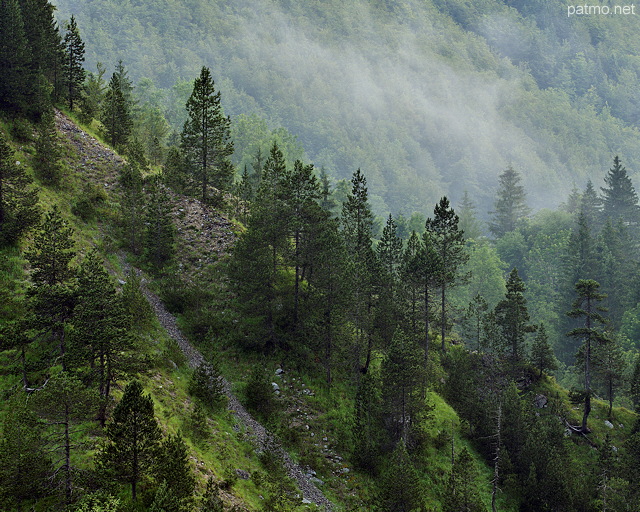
<point x="428" y="98"/>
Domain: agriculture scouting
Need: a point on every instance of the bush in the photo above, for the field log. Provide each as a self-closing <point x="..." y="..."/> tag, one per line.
<point x="260" y="397"/>
<point x="207" y="385"/>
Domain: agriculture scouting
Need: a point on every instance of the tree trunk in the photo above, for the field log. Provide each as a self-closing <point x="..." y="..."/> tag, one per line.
<point x="443" y="317"/>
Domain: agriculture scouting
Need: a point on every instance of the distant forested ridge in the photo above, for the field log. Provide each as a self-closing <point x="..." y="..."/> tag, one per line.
<point x="423" y="95"/>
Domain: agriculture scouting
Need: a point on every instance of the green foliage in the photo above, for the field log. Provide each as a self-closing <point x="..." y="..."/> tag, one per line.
<point x="400" y="487"/>
<point x="159" y="236"/>
<point x="116" y="113"/>
<point x="18" y="198"/>
<point x="206" y="385"/>
<point x="46" y="162"/>
<point x="172" y="467"/>
<point x="511" y="204"/>
<point x="541" y="352"/>
<point x="133" y="438"/>
<point x="461" y="493"/>
<point x="211" y="501"/>
<point x="205" y="139"/>
<point x="74" y="73"/>
<point x="260" y="396"/>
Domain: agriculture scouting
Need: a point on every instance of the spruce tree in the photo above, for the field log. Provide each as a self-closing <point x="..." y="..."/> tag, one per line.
<point x="541" y="352"/>
<point x="469" y="223"/>
<point x="513" y="317"/>
<point x="474" y="315"/>
<point x="586" y="307"/>
<point x="93" y="94"/>
<point x="368" y="434"/>
<point x="510" y="205"/>
<point x="132" y="206"/>
<point x="619" y="198"/>
<point x="610" y="368"/>
<point x="389" y="251"/>
<point x="206" y="141"/>
<point x="116" y="114"/>
<point x="133" y="437"/>
<point x="18" y="199"/>
<point x="74" y="73"/>
<point x="449" y="246"/>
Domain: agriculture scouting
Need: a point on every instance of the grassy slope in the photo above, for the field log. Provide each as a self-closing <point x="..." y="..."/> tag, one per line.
<point x="307" y="422"/>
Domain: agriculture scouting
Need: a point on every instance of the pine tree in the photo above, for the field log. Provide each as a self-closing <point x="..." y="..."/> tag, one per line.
<point x="159" y="236"/>
<point x="93" y="94"/>
<point x="172" y="466"/>
<point x="357" y="225"/>
<point x="462" y="494"/>
<point x="389" y="251"/>
<point x="74" y="73"/>
<point x="18" y="199"/>
<point x="24" y="459"/>
<point x="211" y="501"/>
<point x="132" y="204"/>
<point x="164" y="500"/>
<point x="133" y="437"/>
<point x="100" y="325"/>
<point x="513" y="317"/>
<point x="510" y="205"/>
<point x="634" y="385"/>
<point x="15" y="61"/>
<point x="402" y="375"/>
<point x="474" y="316"/>
<point x="590" y="207"/>
<point x="586" y="306"/>
<point x="400" y="488"/>
<point x="116" y="114"/>
<point x="619" y="198"/>
<point x="541" y="352"/>
<point x="174" y="172"/>
<point x="65" y="404"/>
<point x="448" y="244"/>
<point x="610" y="368"/>
<point x="46" y="162"/>
<point x="368" y="435"/>
<point x="206" y="141"/>
<point x="51" y="297"/>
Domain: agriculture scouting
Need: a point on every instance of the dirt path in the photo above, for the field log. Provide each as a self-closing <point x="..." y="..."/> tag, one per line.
<point x="261" y="436"/>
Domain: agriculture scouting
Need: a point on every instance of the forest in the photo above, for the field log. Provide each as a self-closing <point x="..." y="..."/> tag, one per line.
<point x="205" y="305"/>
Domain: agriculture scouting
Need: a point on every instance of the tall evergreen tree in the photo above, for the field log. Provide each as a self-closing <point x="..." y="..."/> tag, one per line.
<point x="93" y="94"/>
<point x="513" y="317"/>
<point x="357" y="225"/>
<point x="206" y="141"/>
<point x="132" y="205"/>
<point x="116" y="114"/>
<point x="18" y="199"/>
<point x="15" y="60"/>
<point x="159" y="236"/>
<point x="172" y="466"/>
<point x="368" y="434"/>
<point x="586" y="307"/>
<point x="74" y="72"/>
<point x="46" y="162"/>
<point x="133" y="437"/>
<point x="400" y="488"/>
<point x="64" y="404"/>
<point x="52" y="296"/>
<point x="448" y="244"/>
<point x="510" y="205"/>
<point x="461" y="494"/>
<point x="610" y="368"/>
<point x="619" y="198"/>
<point x="389" y="251"/>
<point x="541" y="352"/>
<point x="469" y="223"/>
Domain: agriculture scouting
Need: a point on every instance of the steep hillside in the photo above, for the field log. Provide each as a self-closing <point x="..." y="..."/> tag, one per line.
<point x="427" y="98"/>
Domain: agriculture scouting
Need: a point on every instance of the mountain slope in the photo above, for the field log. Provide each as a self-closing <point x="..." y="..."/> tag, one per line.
<point x="428" y="98"/>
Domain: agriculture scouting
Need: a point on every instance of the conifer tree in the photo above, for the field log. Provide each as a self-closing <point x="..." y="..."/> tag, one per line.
<point x="462" y="494"/>
<point x="174" y="172"/>
<point x="513" y="317"/>
<point x="474" y="319"/>
<point x="15" y="60"/>
<point x="402" y="375"/>
<point x="116" y="114"/>
<point x="159" y="236"/>
<point x="18" y="198"/>
<point x="586" y="307"/>
<point x="52" y="296"/>
<point x="411" y="282"/>
<point x="357" y="225"/>
<point x="619" y="198"/>
<point x="211" y="501"/>
<point x="400" y="488"/>
<point x="541" y="352"/>
<point x="389" y="251"/>
<point x="74" y="57"/>
<point x="206" y="141"/>
<point x="64" y="404"/>
<point x="367" y="430"/>
<point x="591" y="207"/>
<point x="132" y="205"/>
<point x="634" y="385"/>
<point x="610" y="368"/>
<point x="448" y="244"/>
<point x="100" y="326"/>
<point x="510" y="205"/>
<point x="93" y="94"/>
<point x="25" y="461"/>
<point x="47" y="158"/>
<point x="133" y="438"/>
<point x="172" y="466"/>
<point x="469" y="223"/>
